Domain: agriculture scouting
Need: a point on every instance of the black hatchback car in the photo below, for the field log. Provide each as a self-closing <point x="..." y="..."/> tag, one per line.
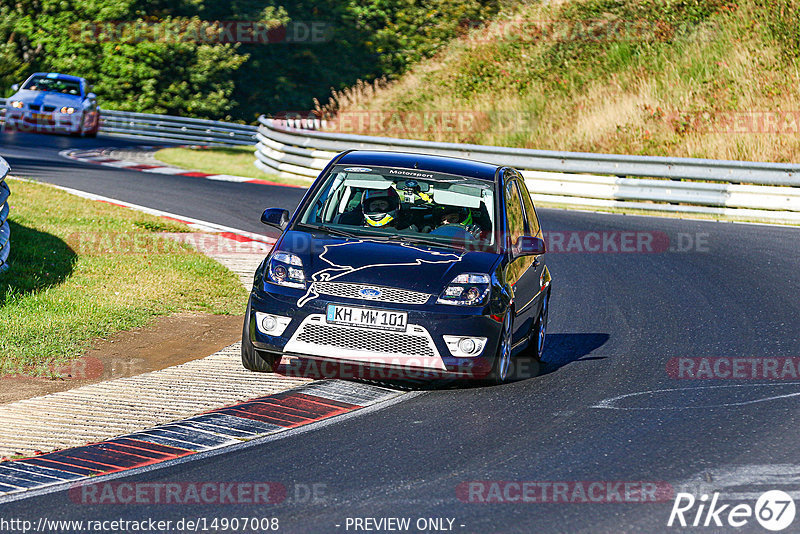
<point x="428" y="266"/>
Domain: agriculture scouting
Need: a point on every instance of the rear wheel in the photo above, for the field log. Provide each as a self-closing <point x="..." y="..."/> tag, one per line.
<point x="252" y="359"/>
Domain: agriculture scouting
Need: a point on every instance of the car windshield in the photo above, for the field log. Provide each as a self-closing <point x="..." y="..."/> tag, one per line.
<point x="405" y="204"/>
<point x="53" y="85"/>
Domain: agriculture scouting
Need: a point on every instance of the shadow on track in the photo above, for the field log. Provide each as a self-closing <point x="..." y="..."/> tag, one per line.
<point x="560" y="350"/>
<point x="38" y="261"/>
<point x="563" y="349"/>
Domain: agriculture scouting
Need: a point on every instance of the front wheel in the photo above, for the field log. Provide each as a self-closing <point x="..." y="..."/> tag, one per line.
<point x="93" y="132"/>
<point x="253" y="360"/>
<point x="502" y="361"/>
<point x="540" y="329"/>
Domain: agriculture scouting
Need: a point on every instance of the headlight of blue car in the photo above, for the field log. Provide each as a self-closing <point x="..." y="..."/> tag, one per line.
<point x="468" y="289"/>
<point x="286" y="269"/>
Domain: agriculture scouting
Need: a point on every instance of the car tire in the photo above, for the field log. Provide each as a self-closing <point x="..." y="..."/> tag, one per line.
<point x="539" y="330"/>
<point x="502" y="361"/>
<point x="252" y="359"/>
<point x="93" y="132"/>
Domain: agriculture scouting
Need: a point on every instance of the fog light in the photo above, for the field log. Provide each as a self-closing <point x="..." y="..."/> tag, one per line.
<point x="466" y="345"/>
<point x="268" y="323"/>
<point x="271" y="325"/>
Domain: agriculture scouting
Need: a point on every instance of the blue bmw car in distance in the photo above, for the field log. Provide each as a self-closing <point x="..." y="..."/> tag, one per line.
<point x="427" y="266"/>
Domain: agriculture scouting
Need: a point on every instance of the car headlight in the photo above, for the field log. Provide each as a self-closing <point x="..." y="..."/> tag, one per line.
<point x="16" y="104"/>
<point x="67" y="110"/>
<point x="286" y="269"/>
<point x="469" y="289"/>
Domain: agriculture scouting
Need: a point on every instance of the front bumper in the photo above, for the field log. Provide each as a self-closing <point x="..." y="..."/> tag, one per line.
<point x="48" y="122"/>
<point x="419" y="351"/>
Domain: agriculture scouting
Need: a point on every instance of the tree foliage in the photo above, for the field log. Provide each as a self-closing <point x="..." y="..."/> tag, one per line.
<point x="152" y="71"/>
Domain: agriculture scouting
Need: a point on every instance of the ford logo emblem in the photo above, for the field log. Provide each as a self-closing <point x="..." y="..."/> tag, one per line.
<point x="370" y="293"/>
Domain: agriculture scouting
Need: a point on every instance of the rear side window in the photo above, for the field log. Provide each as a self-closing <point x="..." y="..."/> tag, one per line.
<point x="530" y="212"/>
<point x="514" y="212"/>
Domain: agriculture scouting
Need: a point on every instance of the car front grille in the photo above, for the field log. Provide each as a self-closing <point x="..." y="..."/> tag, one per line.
<point x="34" y="107"/>
<point x="388" y="294"/>
<point x="367" y="340"/>
<point x="49" y="108"/>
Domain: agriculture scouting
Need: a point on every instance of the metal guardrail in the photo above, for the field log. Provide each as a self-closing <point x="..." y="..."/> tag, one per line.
<point x="5" y="230"/>
<point x="170" y="128"/>
<point x="740" y="188"/>
<point x="155" y="127"/>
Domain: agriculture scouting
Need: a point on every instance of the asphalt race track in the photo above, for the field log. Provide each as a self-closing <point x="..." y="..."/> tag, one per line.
<point x="36" y="156"/>
<point x="611" y="404"/>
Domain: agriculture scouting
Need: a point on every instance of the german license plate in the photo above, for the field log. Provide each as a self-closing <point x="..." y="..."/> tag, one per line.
<point x="367" y="317"/>
<point x="41" y="116"/>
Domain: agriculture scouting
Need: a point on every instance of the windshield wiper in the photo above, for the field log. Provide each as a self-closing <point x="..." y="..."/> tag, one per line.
<point x="423" y="240"/>
<point x="329" y="229"/>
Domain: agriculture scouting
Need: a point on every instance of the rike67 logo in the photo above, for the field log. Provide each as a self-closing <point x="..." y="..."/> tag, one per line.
<point x="774" y="510"/>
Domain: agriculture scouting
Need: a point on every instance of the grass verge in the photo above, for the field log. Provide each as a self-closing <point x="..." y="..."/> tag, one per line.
<point x="237" y="161"/>
<point x="82" y="270"/>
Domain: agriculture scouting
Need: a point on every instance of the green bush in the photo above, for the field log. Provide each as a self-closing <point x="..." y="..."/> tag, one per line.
<point x="365" y="40"/>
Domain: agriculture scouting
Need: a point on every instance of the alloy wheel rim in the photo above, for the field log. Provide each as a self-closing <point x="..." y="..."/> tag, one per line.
<point x="505" y="353"/>
<point x="543" y="326"/>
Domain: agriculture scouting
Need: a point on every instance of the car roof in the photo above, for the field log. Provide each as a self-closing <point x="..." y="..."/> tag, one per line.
<point x="427" y="162"/>
<point x="58" y="76"/>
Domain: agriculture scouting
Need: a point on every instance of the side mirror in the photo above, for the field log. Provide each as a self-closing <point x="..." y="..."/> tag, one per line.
<point x="276" y="217"/>
<point x="91" y="96"/>
<point x="15" y="87"/>
<point x="529" y="246"/>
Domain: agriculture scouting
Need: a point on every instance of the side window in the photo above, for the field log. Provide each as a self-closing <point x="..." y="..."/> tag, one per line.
<point x="533" y="220"/>
<point x="514" y="212"/>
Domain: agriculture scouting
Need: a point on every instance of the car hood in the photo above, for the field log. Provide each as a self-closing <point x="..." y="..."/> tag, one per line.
<point x="58" y="100"/>
<point x="399" y="264"/>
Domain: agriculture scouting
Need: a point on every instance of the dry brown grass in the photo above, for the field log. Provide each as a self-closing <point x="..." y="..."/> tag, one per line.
<point x="700" y="95"/>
